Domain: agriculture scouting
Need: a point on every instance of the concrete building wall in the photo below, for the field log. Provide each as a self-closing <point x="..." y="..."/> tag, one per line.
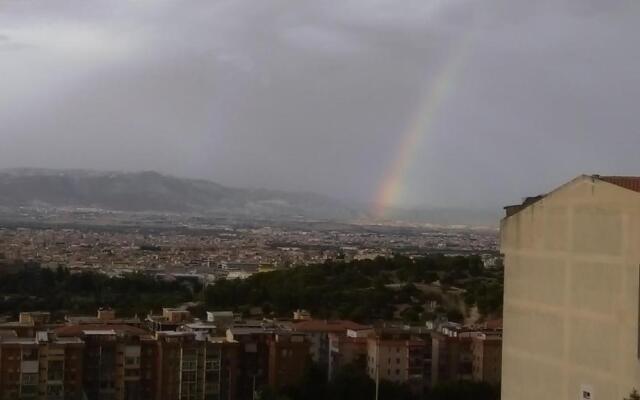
<point x="572" y="294"/>
<point x="287" y="360"/>
<point x="388" y="360"/>
<point x="317" y="346"/>
<point x="40" y="371"/>
<point x="345" y="350"/>
<point x="452" y="357"/>
<point x="10" y="360"/>
<point x="487" y="358"/>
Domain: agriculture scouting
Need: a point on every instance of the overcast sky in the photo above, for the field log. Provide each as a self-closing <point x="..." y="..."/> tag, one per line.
<point x="316" y="95"/>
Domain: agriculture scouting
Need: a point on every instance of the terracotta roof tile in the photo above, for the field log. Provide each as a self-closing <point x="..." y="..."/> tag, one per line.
<point x="317" y="325"/>
<point x="627" y="182"/>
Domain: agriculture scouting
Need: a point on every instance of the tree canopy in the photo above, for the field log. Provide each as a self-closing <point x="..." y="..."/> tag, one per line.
<point x="384" y="288"/>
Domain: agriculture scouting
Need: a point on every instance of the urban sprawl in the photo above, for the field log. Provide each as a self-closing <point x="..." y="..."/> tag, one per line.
<point x="173" y="355"/>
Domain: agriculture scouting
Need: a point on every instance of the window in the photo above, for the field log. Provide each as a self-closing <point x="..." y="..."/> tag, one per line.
<point x="55" y="370"/>
<point x="212" y="364"/>
<point x="30" y="390"/>
<point x="29" y="379"/>
<point x="29" y="354"/>
<point x="54" y="391"/>
<point x="189" y="376"/>
<point x="131" y="360"/>
<point x="211" y="376"/>
<point x="189" y="365"/>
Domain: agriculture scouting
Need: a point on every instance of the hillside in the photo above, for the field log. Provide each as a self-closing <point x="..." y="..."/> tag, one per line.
<point x="154" y="192"/>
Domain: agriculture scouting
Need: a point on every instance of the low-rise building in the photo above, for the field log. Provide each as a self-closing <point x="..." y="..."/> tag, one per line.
<point x="222" y="319"/>
<point x="28" y="323"/>
<point x="301" y="315"/>
<point x="170" y="320"/>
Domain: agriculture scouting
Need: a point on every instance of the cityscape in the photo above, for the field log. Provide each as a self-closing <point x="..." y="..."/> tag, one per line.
<point x="319" y="200"/>
<point x="171" y="355"/>
<point x="69" y="330"/>
<point x="226" y="251"/>
<point x="227" y="312"/>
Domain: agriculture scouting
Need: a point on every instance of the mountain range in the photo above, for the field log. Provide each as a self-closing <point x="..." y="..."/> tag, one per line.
<point x="154" y="192"/>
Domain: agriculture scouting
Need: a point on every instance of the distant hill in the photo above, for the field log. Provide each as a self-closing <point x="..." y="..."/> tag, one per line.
<point x="158" y="193"/>
<point x="154" y="192"/>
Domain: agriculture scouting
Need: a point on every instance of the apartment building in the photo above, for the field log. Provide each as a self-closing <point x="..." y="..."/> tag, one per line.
<point x="192" y="368"/>
<point x="222" y="361"/>
<point x="572" y="264"/>
<point x="112" y="359"/>
<point x="452" y="354"/>
<point x="399" y="357"/>
<point x="107" y="359"/>
<point x="253" y="350"/>
<point x="128" y="363"/>
<point x="28" y="323"/>
<point x="486" y="350"/>
<point x="288" y="353"/>
<point x="347" y="349"/>
<point x="112" y="365"/>
<point x="39" y="368"/>
<point x="317" y="332"/>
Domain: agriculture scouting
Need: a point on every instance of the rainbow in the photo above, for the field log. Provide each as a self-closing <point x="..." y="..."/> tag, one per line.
<point x="392" y="184"/>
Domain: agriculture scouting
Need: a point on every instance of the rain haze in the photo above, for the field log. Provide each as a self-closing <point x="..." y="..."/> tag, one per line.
<point x="460" y="103"/>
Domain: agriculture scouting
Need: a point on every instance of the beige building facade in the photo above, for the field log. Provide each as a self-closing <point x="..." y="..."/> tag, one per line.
<point x="572" y="293"/>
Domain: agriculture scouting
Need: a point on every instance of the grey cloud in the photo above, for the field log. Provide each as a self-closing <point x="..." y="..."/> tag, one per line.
<point x="8" y="44"/>
<point x="308" y="95"/>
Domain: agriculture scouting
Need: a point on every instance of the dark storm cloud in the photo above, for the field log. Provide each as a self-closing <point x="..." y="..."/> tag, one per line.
<point x="308" y="95"/>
